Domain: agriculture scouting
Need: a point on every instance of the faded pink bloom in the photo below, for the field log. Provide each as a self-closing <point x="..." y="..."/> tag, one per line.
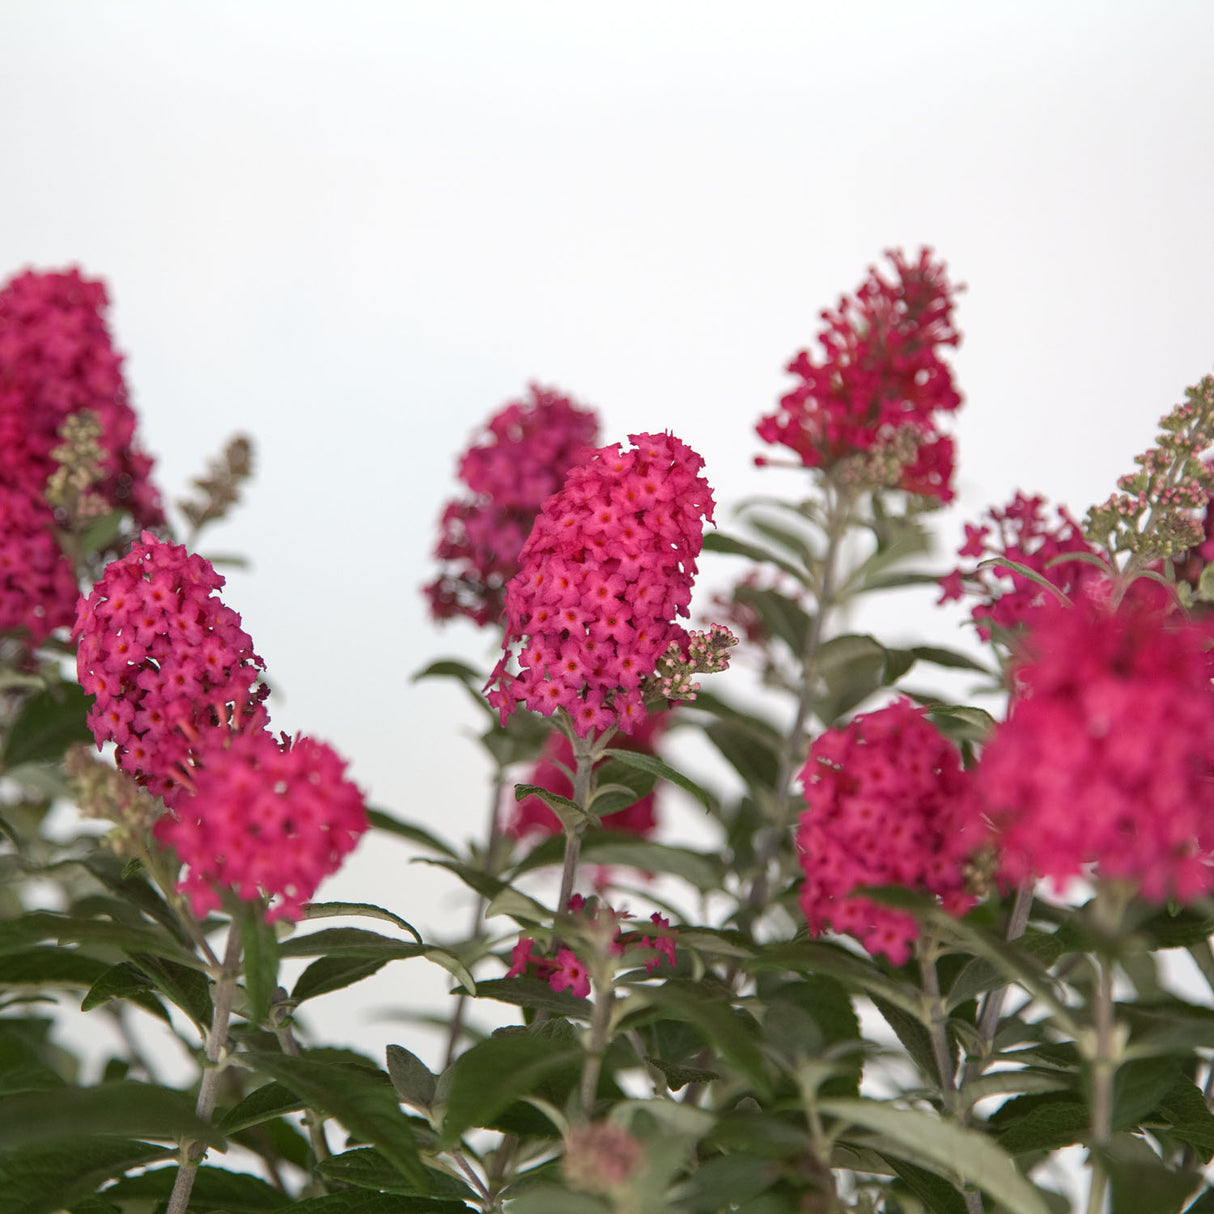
<point x="881" y="380"/>
<point x="888" y="804"/>
<point x="519" y="460"/>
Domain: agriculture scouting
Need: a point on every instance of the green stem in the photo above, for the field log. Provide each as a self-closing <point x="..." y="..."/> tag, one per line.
<point x="583" y="778"/>
<point x="315" y="1123"/>
<point x="838" y="517"/>
<point x="600" y="1021"/>
<point x="217" y="1040"/>
<point x="492" y="848"/>
<point x="1103" y="1064"/>
<point x="930" y="981"/>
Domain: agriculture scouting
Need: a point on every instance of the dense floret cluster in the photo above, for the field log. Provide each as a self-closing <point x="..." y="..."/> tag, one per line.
<point x="166" y="661"/>
<point x="1020" y="532"/>
<point x="1107" y="756"/>
<point x="263" y="819"/>
<point x="520" y="459"/>
<point x="556" y="761"/>
<point x="56" y="359"/>
<point x="888" y="804"/>
<point x="607" y="568"/>
<point x="868" y="409"/>
<point x="37" y="589"/>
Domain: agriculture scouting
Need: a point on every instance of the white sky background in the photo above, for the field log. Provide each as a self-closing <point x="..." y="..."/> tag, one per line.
<point x="355" y="230"/>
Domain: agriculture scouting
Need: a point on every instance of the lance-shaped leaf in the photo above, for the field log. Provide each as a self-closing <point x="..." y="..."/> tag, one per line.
<point x="44" y="1179"/>
<point x="48" y="723"/>
<point x="360" y="1097"/>
<point x="127" y="1108"/>
<point x="214" y="1189"/>
<point x="365" y="910"/>
<point x="663" y="770"/>
<point x="486" y="1079"/>
<point x="382" y="820"/>
<point x="963" y="1156"/>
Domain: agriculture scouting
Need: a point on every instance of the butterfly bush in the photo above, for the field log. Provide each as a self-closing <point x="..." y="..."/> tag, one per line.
<point x="520" y="459"/>
<point x="177" y="690"/>
<point x="888" y="804"/>
<point x="606" y="569"/>
<point x="1021" y="532"/>
<point x="1107" y="755"/>
<point x="868" y="408"/>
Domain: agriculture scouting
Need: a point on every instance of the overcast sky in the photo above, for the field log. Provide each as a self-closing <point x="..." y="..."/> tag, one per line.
<point x="355" y="230"/>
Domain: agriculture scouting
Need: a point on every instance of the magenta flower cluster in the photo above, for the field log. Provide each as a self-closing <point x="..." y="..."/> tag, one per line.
<point x="56" y="359"/>
<point x="1107" y="756"/>
<point x="1023" y="533"/>
<point x="177" y="690"/>
<point x="567" y="972"/>
<point x="888" y="804"/>
<point x="881" y="380"/>
<point x="521" y="459"/>
<point x="166" y="661"/>
<point x="607" y="568"/>
<point x="263" y="817"/>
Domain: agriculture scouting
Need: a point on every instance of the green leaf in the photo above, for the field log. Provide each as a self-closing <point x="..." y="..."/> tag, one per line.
<point x="44" y="1179"/>
<point x="1139" y="1085"/>
<point x="123" y="981"/>
<point x="780" y="616"/>
<point x="914" y="1036"/>
<point x="15" y="934"/>
<point x="48" y="723"/>
<point x="732" y="1035"/>
<point x="493" y="1074"/>
<point x="412" y="1078"/>
<point x="142" y="1109"/>
<point x="357" y="1201"/>
<point x="571" y="815"/>
<point x="962" y="1156"/>
<point x="361" y="1097"/>
<point x="451" y="668"/>
<point x="52" y="966"/>
<point x="1190" y="1121"/>
<point x="263" y="1103"/>
<point x="183" y="986"/>
<point x="951" y="659"/>
<point x="1139" y="1180"/>
<point x="855" y="973"/>
<point x="382" y="820"/>
<point x="368" y="1169"/>
<point x="1048" y="1123"/>
<point x="935" y="1192"/>
<point x="663" y="770"/>
<point x="366" y="910"/>
<point x="214" y="1188"/>
<point x="677" y="1075"/>
<point x="720" y="541"/>
<point x="350" y="942"/>
<point x="260" y="960"/>
<point x="753" y="754"/>
<point x="534" y="993"/>
<point x="700" y="869"/>
<point x="327" y="974"/>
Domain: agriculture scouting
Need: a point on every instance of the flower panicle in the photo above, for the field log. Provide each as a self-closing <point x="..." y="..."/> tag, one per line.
<point x="1154" y="512"/>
